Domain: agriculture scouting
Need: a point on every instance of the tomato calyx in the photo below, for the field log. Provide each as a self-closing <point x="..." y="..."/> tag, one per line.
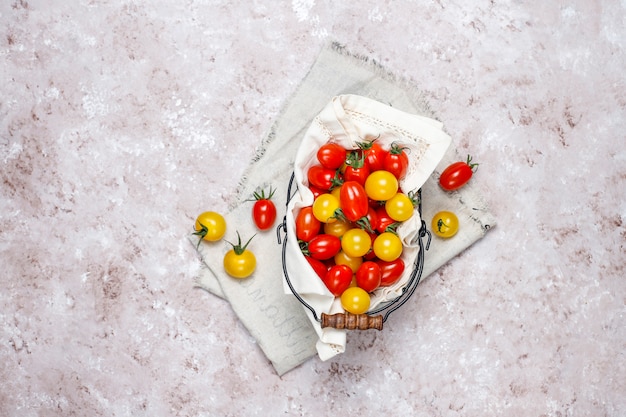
<point x="367" y="144"/>
<point x="473" y="166"/>
<point x="397" y="149"/>
<point x="238" y="249"/>
<point x="356" y="159"/>
<point x="201" y="233"/>
<point x="261" y="196"/>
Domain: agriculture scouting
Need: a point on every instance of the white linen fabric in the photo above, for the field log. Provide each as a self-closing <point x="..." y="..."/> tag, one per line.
<point x="275" y="319"/>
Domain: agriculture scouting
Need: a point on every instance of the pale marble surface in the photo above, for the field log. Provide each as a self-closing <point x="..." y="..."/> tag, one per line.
<point x="120" y="121"/>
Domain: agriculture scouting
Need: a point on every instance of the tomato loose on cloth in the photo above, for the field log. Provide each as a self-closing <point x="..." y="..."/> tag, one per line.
<point x="264" y="210"/>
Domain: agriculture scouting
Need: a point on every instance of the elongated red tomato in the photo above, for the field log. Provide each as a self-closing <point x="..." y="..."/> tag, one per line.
<point x="264" y="210"/>
<point x="368" y="276"/>
<point x="353" y="200"/>
<point x="307" y="226"/>
<point x="331" y="155"/>
<point x="375" y="156"/>
<point x="322" y="178"/>
<point x="396" y="161"/>
<point x="457" y="174"/>
<point x="338" y="279"/>
<point x="390" y="271"/>
<point x="324" y="246"/>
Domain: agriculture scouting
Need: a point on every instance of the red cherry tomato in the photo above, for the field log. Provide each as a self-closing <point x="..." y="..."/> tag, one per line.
<point x="368" y="276"/>
<point x="384" y="220"/>
<point x="390" y="271"/>
<point x="396" y="161"/>
<point x="353" y="200"/>
<point x="338" y="279"/>
<point x="370" y="222"/>
<point x="307" y="226"/>
<point x="323" y="246"/>
<point x="318" y="266"/>
<point x="331" y="155"/>
<point x="316" y="191"/>
<point x="457" y="174"/>
<point x="322" y="178"/>
<point x="375" y="155"/>
<point x="356" y="168"/>
<point x="264" y="210"/>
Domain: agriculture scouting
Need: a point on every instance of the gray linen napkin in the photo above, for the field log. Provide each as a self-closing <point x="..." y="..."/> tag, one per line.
<point x="275" y="319"/>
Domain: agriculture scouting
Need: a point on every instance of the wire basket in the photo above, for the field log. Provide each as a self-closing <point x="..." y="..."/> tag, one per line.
<point x="377" y="316"/>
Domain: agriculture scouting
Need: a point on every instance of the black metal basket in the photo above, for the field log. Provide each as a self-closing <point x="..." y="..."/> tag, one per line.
<point x="374" y="318"/>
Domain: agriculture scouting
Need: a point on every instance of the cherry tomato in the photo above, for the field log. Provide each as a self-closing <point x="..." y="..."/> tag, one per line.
<point x="368" y="276"/>
<point x="385" y="222"/>
<point x="324" y="208"/>
<point x="307" y="225"/>
<point x="353" y="200"/>
<point x="337" y="228"/>
<point x="318" y="266"/>
<point x="370" y="221"/>
<point x="316" y="191"/>
<point x="264" y="210"/>
<point x="356" y="168"/>
<point x="399" y="207"/>
<point x="338" y="279"/>
<point x="356" y="242"/>
<point x="341" y="258"/>
<point x="457" y="174"/>
<point x="210" y="226"/>
<point x="322" y="178"/>
<point x="381" y="185"/>
<point x="445" y="224"/>
<point x="396" y="161"/>
<point x="323" y="247"/>
<point x="387" y="246"/>
<point x="390" y="271"/>
<point x="355" y="300"/>
<point x="331" y="155"/>
<point x="239" y="262"/>
<point x="374" y="155"/>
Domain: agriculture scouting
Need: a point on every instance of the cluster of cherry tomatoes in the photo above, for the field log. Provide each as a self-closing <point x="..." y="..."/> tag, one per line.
<point x="348" y="235"/>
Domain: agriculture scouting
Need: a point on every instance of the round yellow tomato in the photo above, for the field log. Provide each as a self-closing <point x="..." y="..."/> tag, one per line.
<point x="388" y="246"/>
<point x="356" y="242"/>
<point x="239" y="262"/>
<point x="445" y="224"/>
<point x="341" y="258"/>
<point x="324" y="208"/>
<point x="399" y="207"/>
<point x="381" y="185"/>
<point x="210" y="226"/>
<point x="355" y="300"/>
<point x="337" y="228"/>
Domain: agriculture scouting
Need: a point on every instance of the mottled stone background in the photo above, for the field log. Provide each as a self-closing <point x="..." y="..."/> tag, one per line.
<point x="121" y="120"/>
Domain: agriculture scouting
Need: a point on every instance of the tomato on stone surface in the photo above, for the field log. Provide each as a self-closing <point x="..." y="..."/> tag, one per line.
<point x="239" y="262"/>
<point x="307" y="225"/>
<point x="331" y="155"/>
<point x="457" y="174"/>
<point x="390" y="271"/>
<point x="355" y="300"/>
<point x="381" y="185"/>
<point x="338" y="279"/>
<point x="210" y="226"/>
<point x="445" y="224"/>
<point x="375" y="155"/>
<point x="356" y="242"/>
<point x="325" y="207"/>
<point x="396" y="161"/>
<point x="341" y="258"/>
<point x="400" y="207"/>
<point x="264" y="210"/>
<point x="323" y="247"/>
<point x="318" y="266"/>
<point x="322" y="178"/>
<point x="368" y="276"/>
<point x="353" y="200"/>
<point x="356" y="168"/>
<point x="387" y="246"/>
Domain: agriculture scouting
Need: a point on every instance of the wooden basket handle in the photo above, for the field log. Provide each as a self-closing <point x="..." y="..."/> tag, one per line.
<point x="351" y="321"/>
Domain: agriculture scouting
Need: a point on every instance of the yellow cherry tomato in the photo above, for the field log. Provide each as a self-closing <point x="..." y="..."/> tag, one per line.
<point x="239" y="262"/>
<point x="336" y="192"/>
<point x="324" y="208"/>
<point x="387" y="246"/>
<point x="356" y="242"/>
<point x="210" y="226"/>
<point x="399" y="207"/>
<point x="381" y="185"/>
<point x="337" y="228"/>
<point x="355" y="300"/>
<point x="445" y="224"/>
<point x="341" y="258"/>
